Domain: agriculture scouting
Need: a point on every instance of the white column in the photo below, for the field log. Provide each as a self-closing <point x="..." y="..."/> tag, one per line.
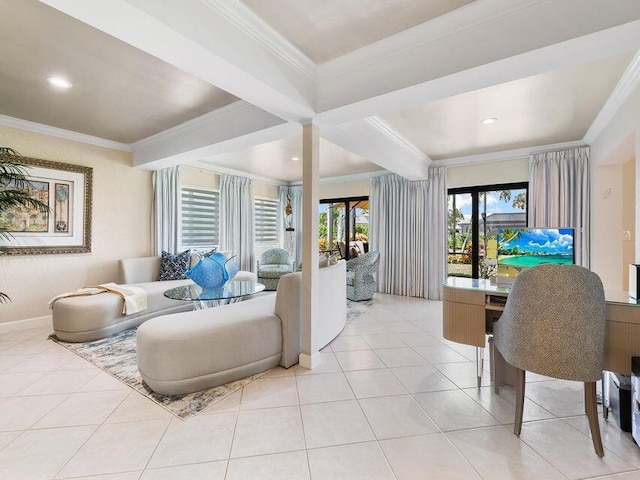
<point x="311" y="197"/>
<point x="637" y="239"/>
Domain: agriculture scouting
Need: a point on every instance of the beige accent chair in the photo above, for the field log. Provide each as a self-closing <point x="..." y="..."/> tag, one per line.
<point x="553" y="324"/>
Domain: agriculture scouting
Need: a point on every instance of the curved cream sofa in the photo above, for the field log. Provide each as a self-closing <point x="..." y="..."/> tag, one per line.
<point x="92" y="317"/>
<point x="186" y="352"/>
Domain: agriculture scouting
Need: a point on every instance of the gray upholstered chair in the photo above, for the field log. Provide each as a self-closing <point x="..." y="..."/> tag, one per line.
<point x="553" y="324"/>
<point x="272" y="264"/>
<point x="361" y="282"/>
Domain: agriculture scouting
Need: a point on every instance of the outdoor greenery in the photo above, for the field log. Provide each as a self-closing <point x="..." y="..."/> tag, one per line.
<point x="361" y="233"/>
<point x="459" y="244"/>
<point x="13" y="192"/>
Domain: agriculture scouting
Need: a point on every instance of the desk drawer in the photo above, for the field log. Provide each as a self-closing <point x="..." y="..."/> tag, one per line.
<point x="458" y="295"/>
<point x="464" y="323"/>
<point x="622" y="341"/>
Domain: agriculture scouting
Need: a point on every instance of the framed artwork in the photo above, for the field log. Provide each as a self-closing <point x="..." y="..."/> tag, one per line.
<point x="66" y="227"/>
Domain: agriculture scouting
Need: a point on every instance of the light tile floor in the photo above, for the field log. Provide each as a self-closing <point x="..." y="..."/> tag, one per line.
<point x="391" y="400"/>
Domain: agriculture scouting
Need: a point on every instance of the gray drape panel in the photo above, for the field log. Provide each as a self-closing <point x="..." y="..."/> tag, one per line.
<point x="436" y="238"/>
<point x="296" y="204"/>
<point x="166" y="209"/>
<point x="559" y="195"/>
<point x="407" y="225"/>
<point x="236" y="219"/>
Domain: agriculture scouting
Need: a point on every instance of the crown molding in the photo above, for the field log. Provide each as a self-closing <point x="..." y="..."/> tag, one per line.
<point x="62" y="133"/>
<point x="392" y="134"/>
<point x="467" y="17"/>
<point x="203" y="121"/>
<point x="354" y="177"/>
<point x="505" y="154"/>
<point x="242" y="17"/>
<point x="628" y="82"/>
<point x="219" y="169"/>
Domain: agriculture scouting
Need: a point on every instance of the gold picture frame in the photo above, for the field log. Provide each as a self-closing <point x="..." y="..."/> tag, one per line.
<point x="67" y="189"/>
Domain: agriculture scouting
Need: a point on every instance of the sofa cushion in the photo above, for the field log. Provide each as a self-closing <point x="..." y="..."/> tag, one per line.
<point x="273" y="270"/>
<point x="174" y="267"/>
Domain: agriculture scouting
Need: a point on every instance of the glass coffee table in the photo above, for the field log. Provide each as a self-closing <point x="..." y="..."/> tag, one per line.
<point x="234" y="291"/>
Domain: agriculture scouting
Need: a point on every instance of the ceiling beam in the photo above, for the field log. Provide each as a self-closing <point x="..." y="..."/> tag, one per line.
<point x="228" y="47"/>
<point x="378" y="142"/>
<point x="232" y="127"/>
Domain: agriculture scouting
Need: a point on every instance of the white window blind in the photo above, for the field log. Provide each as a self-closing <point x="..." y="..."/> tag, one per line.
<point x="200" y="218"/>
<point x="265" y="221"/>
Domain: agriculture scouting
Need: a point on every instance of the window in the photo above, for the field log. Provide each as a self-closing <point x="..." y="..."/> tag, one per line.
<point x="476" y="214"/>
<point x="342" y="218"/>
<point x="200" y="218"/>
<point x="265" y="227"/>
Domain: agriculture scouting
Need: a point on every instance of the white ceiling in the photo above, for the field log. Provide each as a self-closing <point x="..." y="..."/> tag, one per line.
<point x="327" y="29"/>
<point x="553" y="107"/>
<point x="395" y="85"/>
<point x="119" y="92"/>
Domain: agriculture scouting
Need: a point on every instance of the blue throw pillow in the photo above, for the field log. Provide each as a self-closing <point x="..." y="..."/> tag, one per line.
<point x="174" y="267"/>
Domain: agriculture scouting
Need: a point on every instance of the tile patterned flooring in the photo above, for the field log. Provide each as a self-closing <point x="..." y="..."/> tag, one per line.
<point x="391" y="400"/>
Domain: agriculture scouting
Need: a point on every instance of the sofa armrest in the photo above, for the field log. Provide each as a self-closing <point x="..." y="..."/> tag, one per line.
<point x="138" y="270"/>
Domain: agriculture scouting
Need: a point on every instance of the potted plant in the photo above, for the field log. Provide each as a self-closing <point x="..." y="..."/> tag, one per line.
<point x="13" y="193"/>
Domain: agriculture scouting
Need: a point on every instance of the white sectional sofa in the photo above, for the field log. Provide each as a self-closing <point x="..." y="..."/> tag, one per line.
<point x="92" y="317"/>
<point x="186" y="352"/>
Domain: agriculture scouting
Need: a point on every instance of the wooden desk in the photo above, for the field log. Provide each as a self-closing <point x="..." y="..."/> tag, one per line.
<point x="470" y="306"/>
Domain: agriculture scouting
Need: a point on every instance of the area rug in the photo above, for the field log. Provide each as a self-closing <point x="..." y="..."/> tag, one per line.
<point x="116" y="355"/>
<point x="356" y="309"/>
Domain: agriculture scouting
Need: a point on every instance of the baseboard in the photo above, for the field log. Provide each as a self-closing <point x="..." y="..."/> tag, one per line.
<point x="26" y="324"/>
<point x="309" y="361"/>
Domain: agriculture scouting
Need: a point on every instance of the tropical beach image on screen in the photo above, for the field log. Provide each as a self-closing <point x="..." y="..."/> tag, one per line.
<point x="530" y="247"/>
<point x="527" y="247"/>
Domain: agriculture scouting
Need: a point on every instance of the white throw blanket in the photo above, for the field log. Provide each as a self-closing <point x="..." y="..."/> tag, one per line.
<point x="135" y="298"/>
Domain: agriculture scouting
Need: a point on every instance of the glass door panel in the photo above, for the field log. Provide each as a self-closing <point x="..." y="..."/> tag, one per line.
<point x="459" y="235"/>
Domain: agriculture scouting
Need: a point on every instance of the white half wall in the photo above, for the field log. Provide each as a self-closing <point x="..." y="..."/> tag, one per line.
<point x="121" y="226"/>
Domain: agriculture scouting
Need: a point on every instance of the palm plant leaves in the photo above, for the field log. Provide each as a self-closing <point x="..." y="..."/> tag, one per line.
<point x="14" y="185"/>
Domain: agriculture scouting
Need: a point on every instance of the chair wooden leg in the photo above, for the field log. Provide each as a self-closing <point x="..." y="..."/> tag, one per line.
<point x="520" y="382"/>
<point x="591" y="407"/>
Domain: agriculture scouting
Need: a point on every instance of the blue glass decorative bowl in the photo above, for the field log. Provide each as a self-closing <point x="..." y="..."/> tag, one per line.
<point x="213" y="272"/>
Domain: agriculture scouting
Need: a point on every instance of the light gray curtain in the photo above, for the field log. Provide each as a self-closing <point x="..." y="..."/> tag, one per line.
<point x="296" y="203"/>
<point x="436" y="238"/>
<point x="559" y="195"/>
<point x="407" y="224"/>
<point x="236" y="219"/>
<point x="166" y="209"/>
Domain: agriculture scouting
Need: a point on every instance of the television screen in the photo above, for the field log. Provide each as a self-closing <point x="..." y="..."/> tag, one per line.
<point x="521" y="248"/>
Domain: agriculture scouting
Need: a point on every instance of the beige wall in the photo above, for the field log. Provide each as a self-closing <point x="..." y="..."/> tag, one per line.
<point x="616" y="146"/>
<point x="606" y="222"/>
<point x="357" y="188"/>
<point x="628" y="219"/>
<point x="120" y="227"/>
<point x="200" y="178"/>
<point x="507" y="171"/>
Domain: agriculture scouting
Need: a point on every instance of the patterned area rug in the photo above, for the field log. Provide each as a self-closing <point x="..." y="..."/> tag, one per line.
<point x="116" y="355"/>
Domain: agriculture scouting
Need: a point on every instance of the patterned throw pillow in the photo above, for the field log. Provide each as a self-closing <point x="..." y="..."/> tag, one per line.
<point x="210" y="252"/>
<point x="174" y="267"/>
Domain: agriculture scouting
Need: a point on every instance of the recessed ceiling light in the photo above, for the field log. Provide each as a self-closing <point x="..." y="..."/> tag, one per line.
<point x="295" y="159"/>
<point x="488" y="121"/>
<point x="59" y="82"/>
